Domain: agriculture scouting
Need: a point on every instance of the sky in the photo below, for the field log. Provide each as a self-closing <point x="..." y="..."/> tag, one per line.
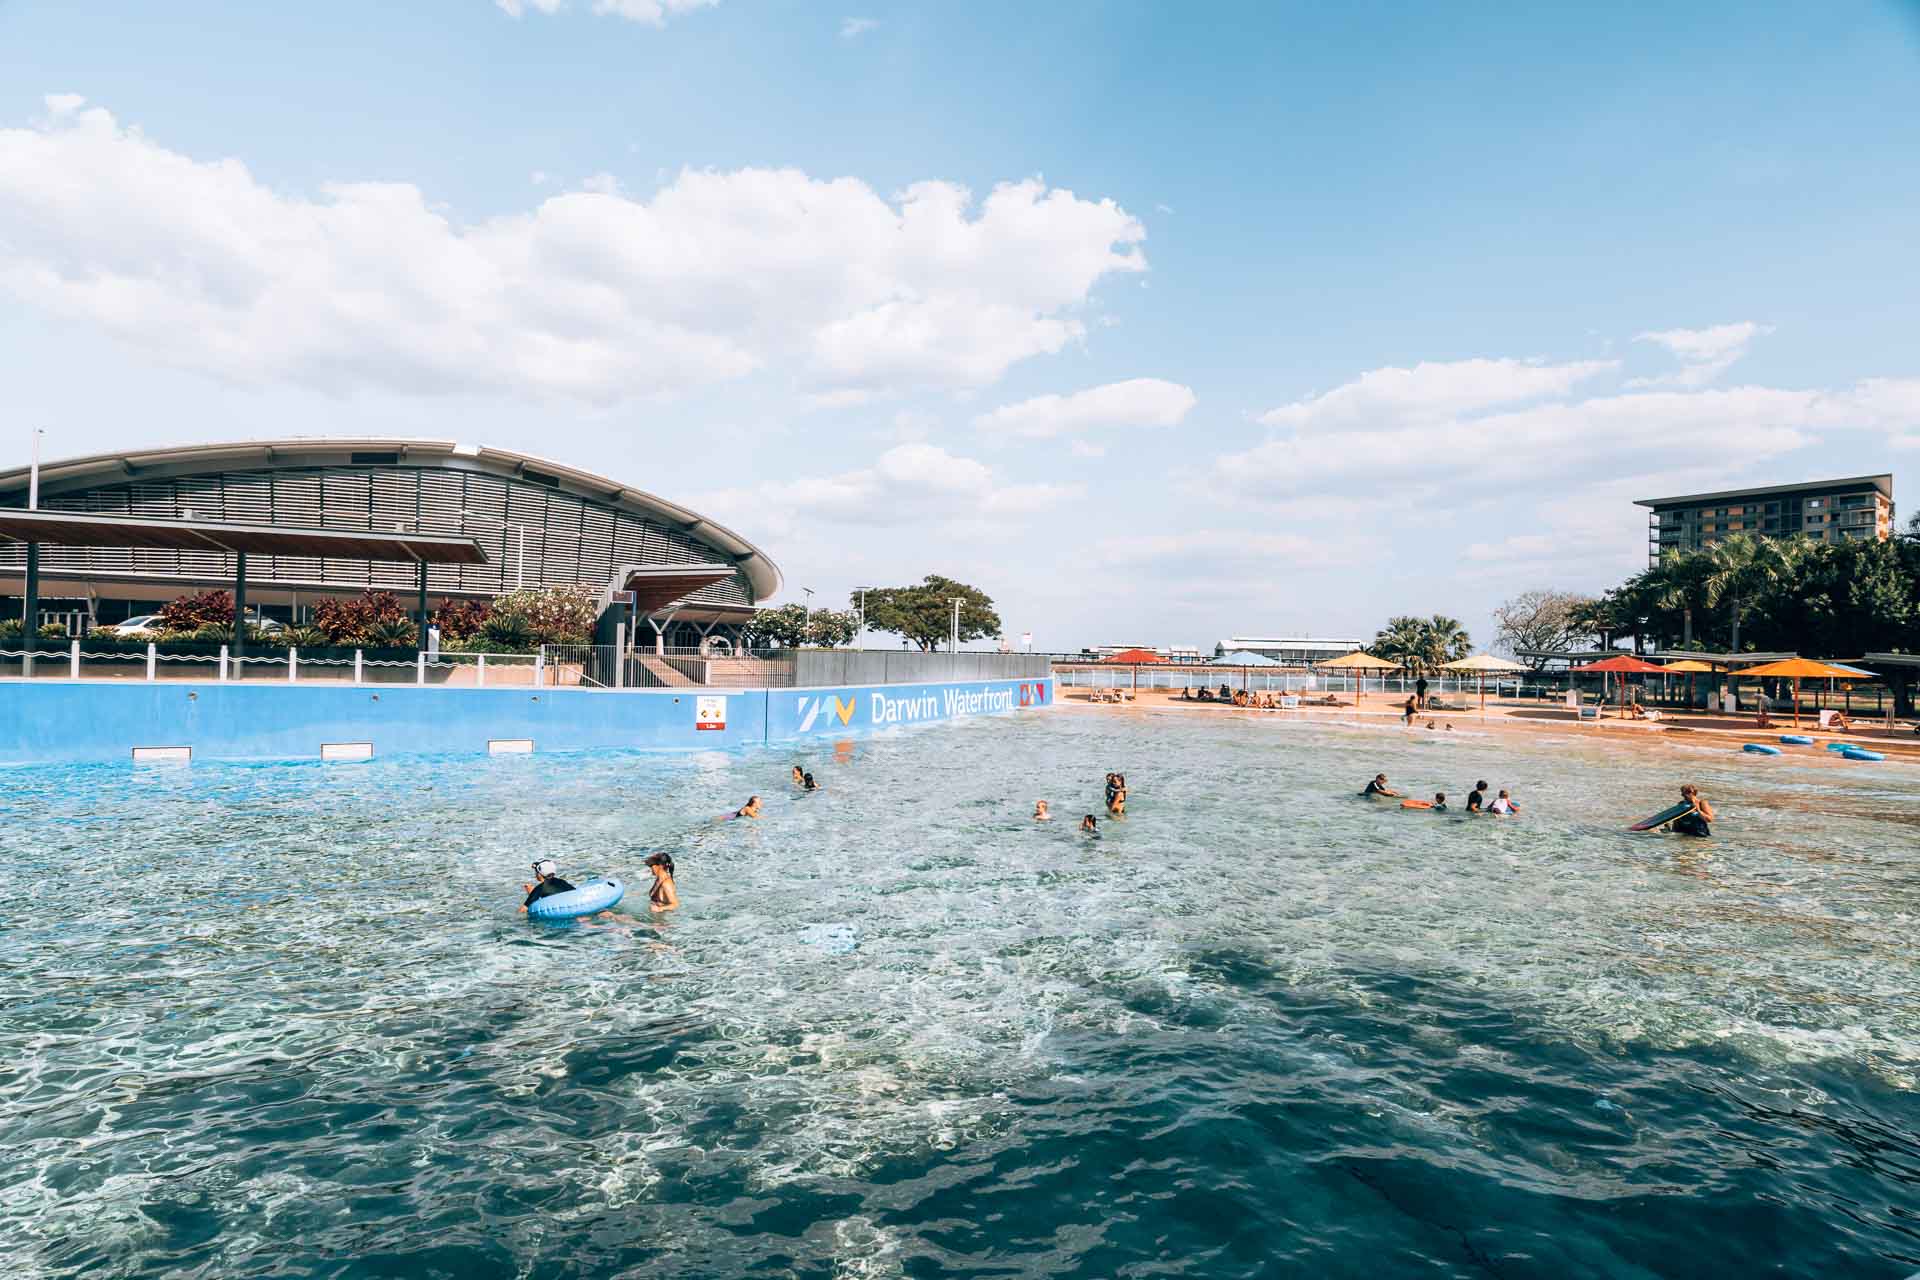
<point x="1159" y="323"/>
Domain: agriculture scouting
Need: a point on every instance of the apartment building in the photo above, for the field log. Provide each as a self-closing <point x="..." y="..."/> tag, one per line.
<point x="1828" y="510"/>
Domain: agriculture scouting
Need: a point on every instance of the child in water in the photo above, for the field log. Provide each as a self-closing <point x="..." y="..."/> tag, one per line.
<point x="1090" y="825"/>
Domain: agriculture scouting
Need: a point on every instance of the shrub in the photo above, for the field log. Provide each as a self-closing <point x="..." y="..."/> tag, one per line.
<point x="305" y="638"/>
<point x="506" y="632"/>
<point x="461" y="619"/>
<point x="353" y="621"/>
<point x="549" y="615"/>
<point x="190" y="613"/>
<point x="390" y="633"/>
<point x="213" y="633"/>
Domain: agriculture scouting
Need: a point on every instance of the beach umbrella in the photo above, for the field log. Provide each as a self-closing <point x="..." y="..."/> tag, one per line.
<point x="1621" y="664"/>
<point x="1691" y="667"/>
<point x="1361" y="661"/>
<point x="1798" y="669"/>
<point x="1480" y="664"/>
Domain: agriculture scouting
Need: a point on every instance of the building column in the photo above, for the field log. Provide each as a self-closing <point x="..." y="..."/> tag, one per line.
<point x="239" y="603"/>
<point x="423" y="606"/>
<point x="30" y="605"/>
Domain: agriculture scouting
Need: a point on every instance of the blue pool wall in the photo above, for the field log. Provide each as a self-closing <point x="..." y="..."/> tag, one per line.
<point x="65" y="721"/>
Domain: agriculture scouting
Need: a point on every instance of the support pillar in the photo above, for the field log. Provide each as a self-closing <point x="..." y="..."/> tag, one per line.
<point x="423" y="606"/>
<point x="30" y="606"/>
<point x="239" y="604"/>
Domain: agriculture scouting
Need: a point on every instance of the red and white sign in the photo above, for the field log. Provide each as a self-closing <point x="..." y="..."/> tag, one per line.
<point x="710" y="711"/>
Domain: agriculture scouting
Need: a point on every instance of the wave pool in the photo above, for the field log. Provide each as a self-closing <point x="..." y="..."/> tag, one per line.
<point x="283" y="1019"/>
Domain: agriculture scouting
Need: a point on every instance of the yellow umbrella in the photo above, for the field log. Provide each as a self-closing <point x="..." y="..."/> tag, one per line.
<point x="1358" y="660"/>
<point x="1480" y="664"/>
<point x="1798" y="669"/>
<point x="1692" y="667"/>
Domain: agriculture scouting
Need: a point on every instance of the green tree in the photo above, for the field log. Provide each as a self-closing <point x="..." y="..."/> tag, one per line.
<point x="1421" y="644"/>
<point x="1741" y="567"/>
<point x="923" y="613"/>
<point x="785" y="626"/>
<point x="831" y="628"/>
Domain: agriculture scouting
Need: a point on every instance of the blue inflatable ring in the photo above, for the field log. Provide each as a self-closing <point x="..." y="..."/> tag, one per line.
<point x="1858" y="753"/>
<point x="1796" y="740"/>
<point x="1841" y="746"/>
<point x="1758" y="748"/>
<point x="595" y="895"/>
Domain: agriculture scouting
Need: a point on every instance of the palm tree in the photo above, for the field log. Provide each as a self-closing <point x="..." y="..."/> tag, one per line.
<point x="1402" y="640"/>
<point x="1447" y="640"/>
<point x="1741" y="566"/>
<point x="1678" y="583"/>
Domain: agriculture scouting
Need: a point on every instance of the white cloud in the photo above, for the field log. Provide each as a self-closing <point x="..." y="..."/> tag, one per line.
<point x="1704" y="354"/>
<point x="1433" y="391"/>
<point x="910" y="484"/>
<point x="63" y="104"/>
<point x="1138" y="402"/>
<point x="588" y="294"/>
<point x="854" y="28"/>
<point x="652" y="12"/>
<point x="601" y="184"/>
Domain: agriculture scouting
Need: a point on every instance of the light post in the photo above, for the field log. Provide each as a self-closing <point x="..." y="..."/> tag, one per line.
<point x="808" y="593"/>
<point x="953" y="636"/>
<point x="860" y="615"/>
<point x="520" y="558"/>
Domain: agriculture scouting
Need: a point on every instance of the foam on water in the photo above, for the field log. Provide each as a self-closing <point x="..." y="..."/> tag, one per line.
<point x="295" y="1014"/>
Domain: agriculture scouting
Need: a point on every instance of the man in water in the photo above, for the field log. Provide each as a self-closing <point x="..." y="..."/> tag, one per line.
<point x="547" y="882"/>
<point x="1040" y="813"/>
<point x="1379" y="787"/>
<point x="1477" y="798"/>
<point x="1694" y="822"/>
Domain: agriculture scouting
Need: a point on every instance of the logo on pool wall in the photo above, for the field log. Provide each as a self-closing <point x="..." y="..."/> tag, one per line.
<point x="710" y="711"/>
<point x="810" y="709"/>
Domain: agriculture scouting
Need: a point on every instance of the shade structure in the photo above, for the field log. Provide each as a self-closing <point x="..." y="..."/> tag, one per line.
<point x="1480" y="664"/>
<point x="1134" y="656"/>
<point x="88" y="529"/>
<point x="1798" y="669"/>
<point x="1690" y="667"/>
<point x="1358" y="660"/>
<point x="1244" y="658"/>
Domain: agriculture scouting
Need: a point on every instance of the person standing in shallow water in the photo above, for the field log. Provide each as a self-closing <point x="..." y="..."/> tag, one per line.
<point x="664" y="896"/>
<point x="1117" y="795"/>
<point x="1694" y="822"/>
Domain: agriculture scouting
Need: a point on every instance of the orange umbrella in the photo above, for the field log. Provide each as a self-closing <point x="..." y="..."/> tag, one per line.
<point x="1798" y="669"/>
<point x="1624" y="664"/>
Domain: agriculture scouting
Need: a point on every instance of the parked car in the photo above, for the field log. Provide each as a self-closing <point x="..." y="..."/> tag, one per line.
<point x="147" y="626"/>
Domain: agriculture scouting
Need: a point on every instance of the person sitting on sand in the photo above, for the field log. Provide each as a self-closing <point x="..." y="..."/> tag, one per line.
<point x="751" y="809"/>
<point x="1503" y="805"/>
<point x="1205" y="695"/>
<point x="1694" y="822"/>
<point x="1226" y="692"/>
<point x="1379" y="787"/>
<point x="663" y="896"/>
<point x="1477" y="798"/>
<point x="1186" y="693"/>
<point x="1439" y="802"/>
<point x="1040" y="812"/>
<point x="1837" y="719"/>
<point x="547" y="882"/>
<point x="1089" y="825"/>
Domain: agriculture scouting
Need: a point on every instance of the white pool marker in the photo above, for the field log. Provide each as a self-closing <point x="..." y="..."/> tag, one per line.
<point x="346" y="751"/>
<point x="509" y="746"/>
<point x="161" y="755"/>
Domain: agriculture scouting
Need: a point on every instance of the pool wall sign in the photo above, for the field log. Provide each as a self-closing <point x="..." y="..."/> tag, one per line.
<point x="47" y="720"/>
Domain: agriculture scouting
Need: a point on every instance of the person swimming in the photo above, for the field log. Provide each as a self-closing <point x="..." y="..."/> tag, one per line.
<point x="663" y="896"/>
<point x="546" y="882"/>
<point x="1503" y="805"/>
<point x="1696" y="820"/>
<point x="1379" y="787"/>
<point x="1040" y="812"/>
<point x="1439" y="802"/>
<point x="799" y="776"/>
<point x="751" y="809"/>
<point x="807" y="783"/>
<point x="1090" y="824"/>
<point x="1477" y="798"/>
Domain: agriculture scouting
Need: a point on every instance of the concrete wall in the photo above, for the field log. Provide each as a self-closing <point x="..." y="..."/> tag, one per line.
<point x="885" y="666"/>
<point x="58" y="720"/>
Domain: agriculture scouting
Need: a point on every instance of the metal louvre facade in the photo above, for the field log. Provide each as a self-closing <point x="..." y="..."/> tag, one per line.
<point x="572" y="538"/>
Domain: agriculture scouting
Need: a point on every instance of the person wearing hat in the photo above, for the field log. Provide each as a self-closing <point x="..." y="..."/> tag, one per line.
<point x="547" y="882"/>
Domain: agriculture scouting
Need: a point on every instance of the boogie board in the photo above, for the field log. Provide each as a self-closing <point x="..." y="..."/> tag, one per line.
<point x="1661" y="818"/>
<point x="1416" y="804"/>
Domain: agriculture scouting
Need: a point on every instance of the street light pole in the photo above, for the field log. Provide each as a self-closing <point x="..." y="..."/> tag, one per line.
<point x="953" y="637"/>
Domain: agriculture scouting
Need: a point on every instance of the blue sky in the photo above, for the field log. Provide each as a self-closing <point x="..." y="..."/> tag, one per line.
<point x="1157" y="323"/>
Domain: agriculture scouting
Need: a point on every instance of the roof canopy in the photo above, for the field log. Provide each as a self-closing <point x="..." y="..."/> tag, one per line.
<point x="75" y="529"/>
<point x="1134" y="656"/>
<point x="655" y="586"/>
<point x="1244" y="658"/>
<point x="1690" y="666"/>
<point x="1360" y="660"/>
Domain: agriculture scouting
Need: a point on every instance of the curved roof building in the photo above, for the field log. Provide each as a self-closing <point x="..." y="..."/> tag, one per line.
<point x="577" y="528"/>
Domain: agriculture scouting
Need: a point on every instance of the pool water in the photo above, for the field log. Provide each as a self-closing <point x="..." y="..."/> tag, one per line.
<point x="284" y="1019"/>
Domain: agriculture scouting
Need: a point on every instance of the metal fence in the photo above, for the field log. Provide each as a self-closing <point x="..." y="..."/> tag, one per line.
<point x="603" y="666"/>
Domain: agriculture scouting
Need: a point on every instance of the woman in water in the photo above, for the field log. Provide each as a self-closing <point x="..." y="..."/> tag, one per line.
<point x="1694" y="821"/>
<point x="1090" y="825"/>
<point x="662" y="896"/>
<point x="1040" y="813"/>
<point x="751" y="809"/>
<point x="799" y="776"/>
<point x="807" y="783"/>
<point x="1117" y="796"/>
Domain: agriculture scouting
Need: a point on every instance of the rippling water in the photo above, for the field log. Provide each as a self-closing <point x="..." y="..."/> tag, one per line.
<point x="283" y="1020"/>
